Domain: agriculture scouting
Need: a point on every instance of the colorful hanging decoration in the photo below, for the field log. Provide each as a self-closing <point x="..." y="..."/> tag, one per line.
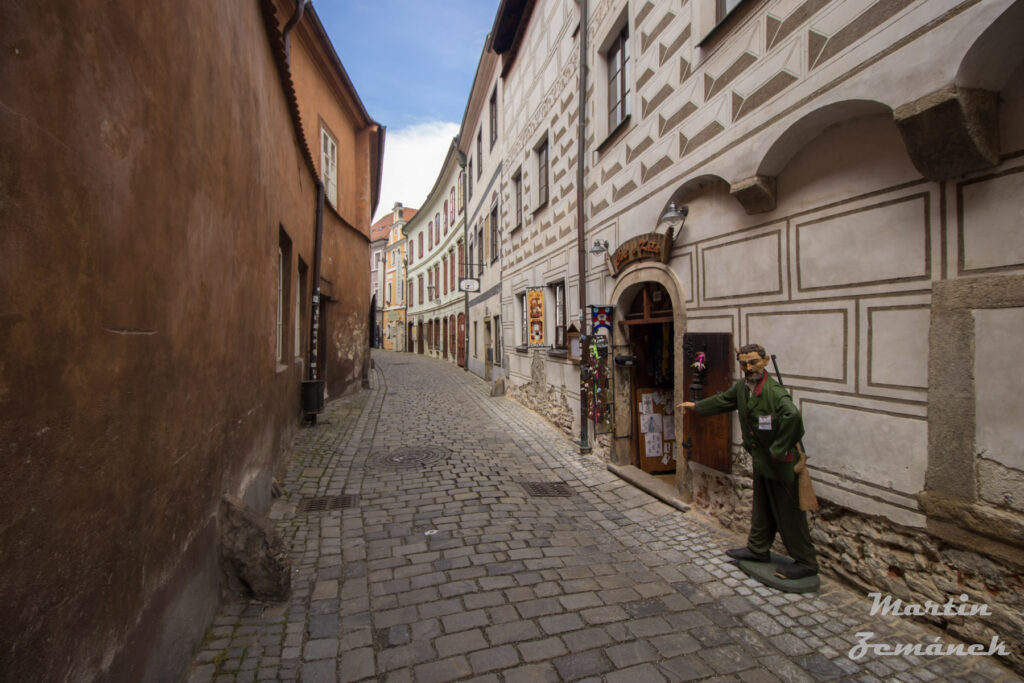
<point x="601" y="316"/>
<point x="594" y="383"/>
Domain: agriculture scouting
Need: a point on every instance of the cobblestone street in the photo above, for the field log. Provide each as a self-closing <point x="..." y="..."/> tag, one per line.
<point x="438" y="564"/>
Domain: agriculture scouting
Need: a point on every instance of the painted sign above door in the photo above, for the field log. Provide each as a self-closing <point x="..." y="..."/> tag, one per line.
<point x="646" y="247"/>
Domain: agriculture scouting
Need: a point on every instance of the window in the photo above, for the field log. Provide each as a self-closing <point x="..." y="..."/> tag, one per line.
<point x="451" y="260"/>
<point x="430" y="235"/>
<point x="708" y="14"/>
<point x="303" y="271"/>
<point x="280" y="299"/>
<point x="524" y="320"/>
<point x="497" y="340"/>
<point x="494" y="233"/>
<point x="421" y="244"/>
<point x="388" y="299"/>
<point x="462" y="190"/>
<point x="618" y="80"/>
<point x="451" y="197"/>
<point x="469" y="180"/>
<point x="462" y="260"/>
<point x="284" y="294"/>
<point x="437" y="228"/>
<point x="421" y="289"/>
<point x="517" y="188"/>
<point x="329" y="166"/>
<point x="444" y="261"/>
<point x="446" y="216"/>
<point x="542" y="173"/>
<point x="558" y="292"/>
<point x="494" y="116"/>
<point x="480" y="248"/>
<point x="479" y="152"/>
<point x="430" y="284"/>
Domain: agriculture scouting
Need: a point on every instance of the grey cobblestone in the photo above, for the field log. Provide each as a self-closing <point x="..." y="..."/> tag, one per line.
<point x="449" y="570"/>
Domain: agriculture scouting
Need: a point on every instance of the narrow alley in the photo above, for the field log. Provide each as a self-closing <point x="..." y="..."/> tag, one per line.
<point x="434" y="561"/>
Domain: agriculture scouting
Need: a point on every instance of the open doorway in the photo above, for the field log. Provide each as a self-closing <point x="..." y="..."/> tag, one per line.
<point x="651" y="339"/>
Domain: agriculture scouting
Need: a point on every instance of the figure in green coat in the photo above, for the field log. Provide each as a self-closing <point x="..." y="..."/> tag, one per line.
<point x="771" y="426"/>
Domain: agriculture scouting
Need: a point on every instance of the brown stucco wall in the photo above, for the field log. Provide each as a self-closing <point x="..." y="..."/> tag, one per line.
<point x="148" y="163"/>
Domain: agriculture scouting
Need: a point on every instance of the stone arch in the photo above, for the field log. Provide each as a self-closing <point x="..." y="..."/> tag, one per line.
<point x="627" y="285"/>
<point x="995" y="54"/>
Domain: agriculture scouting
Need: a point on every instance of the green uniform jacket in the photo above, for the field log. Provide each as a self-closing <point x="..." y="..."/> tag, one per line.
<point x="771" y="441"/>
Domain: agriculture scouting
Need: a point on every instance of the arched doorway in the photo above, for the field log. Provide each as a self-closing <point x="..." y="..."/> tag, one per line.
<point x="444" y="339"/>
<point x="419" y="337"/>
<point x="649" y="321"/>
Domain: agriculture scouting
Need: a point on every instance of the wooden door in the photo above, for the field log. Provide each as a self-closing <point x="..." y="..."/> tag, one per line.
<point x="462" y="338"/>
<point x="655" y="430"/>
<point x="708" y="440"/>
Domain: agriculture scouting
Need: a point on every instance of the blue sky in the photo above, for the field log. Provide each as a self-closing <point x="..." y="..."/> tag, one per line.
<point x="412" y="62"/>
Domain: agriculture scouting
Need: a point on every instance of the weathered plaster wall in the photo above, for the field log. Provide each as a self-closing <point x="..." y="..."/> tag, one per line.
<point x="148" y="163"/>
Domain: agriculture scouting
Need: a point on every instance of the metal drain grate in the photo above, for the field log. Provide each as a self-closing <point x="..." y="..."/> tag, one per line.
<point x="547" y="489"/>
<point x="405" y="458"/>
<point x="326" y="503"/>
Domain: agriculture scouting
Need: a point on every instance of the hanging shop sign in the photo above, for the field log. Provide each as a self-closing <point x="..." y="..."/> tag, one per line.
<point x="601" y="317"/>
<point x="469" y="284"/>
<point x="535" y="316"/>
<point x="648" y="247"/>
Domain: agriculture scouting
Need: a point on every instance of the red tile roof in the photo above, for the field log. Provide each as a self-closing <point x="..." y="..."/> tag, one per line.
<point x="380" y="229"/>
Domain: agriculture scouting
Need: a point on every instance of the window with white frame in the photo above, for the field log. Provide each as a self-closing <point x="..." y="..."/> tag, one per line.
<point x="329" y="166"/>
<point x="494" y="233"/>
<point x="524" y="321"/>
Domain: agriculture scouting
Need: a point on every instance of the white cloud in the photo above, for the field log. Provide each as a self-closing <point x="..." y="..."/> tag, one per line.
<point x="412" y="160"/>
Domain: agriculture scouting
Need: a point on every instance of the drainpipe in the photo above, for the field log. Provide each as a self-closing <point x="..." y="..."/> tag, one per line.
<point x="465" y="253"/>
<point x="580" y="233"/>
<point x="300" y="7"/>
<point x="313" y="388"/>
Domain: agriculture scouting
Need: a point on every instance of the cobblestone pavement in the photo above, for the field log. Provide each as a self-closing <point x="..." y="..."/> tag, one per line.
<point x="441" y="566"/>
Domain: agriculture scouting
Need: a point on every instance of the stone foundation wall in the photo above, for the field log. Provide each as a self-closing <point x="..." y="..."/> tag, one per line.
<point x="550" y="401"/>
<point x="876" y="555"/>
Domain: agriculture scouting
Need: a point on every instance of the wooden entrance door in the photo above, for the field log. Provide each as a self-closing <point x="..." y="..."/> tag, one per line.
<point x="708" y="439"/>
<point x="462" y="338"/>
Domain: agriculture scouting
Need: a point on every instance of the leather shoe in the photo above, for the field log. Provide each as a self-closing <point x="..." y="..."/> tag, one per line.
<point x="745" y="554"/>
<point x="794" y="571"/>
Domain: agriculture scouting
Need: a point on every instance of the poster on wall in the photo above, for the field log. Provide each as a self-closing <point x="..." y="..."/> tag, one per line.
<point x="535" y="316"/>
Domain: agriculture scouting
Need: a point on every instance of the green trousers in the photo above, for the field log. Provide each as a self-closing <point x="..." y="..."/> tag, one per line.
<point x="777" y="508"/>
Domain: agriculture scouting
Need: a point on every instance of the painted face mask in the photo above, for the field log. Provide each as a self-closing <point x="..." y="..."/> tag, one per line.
<point x="752" y="365"/>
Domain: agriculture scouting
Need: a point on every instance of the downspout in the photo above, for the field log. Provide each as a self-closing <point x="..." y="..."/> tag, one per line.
<point x="314" y="381"/>
<point x="580" y="232"/>
<point x="300" y="7"/>
<point x="465" y="254"/>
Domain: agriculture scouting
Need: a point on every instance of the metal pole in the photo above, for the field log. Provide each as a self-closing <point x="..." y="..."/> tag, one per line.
<point x="580" y="232"/>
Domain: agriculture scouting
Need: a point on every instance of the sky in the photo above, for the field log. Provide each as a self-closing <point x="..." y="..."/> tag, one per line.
<point x="412" y="63"/>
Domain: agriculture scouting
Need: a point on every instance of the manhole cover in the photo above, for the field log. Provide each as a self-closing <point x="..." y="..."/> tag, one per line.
<point x="405" y="458"/>
<point x="326" y="503"/>
<point x="547" y="489"/>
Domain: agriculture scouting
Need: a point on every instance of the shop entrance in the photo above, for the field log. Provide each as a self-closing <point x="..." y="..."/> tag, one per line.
<point x="651" y="341"/>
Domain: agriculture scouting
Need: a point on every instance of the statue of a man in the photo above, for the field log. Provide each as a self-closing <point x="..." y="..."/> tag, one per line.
<point x="771" y="426"/>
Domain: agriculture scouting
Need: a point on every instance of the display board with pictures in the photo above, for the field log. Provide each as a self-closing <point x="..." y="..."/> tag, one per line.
<point x="655" y="430"/>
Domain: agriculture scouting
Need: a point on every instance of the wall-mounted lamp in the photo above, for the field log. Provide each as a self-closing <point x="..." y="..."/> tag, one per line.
<point x="430" y="291"/>
<point x="599" y="247"/>
<point x="674" y="214"/>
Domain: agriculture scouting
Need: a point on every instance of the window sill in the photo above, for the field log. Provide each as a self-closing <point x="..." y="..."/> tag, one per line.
<point x="558" y="353"/>
<point x="517" y="226"/>
<point x="540" y="208"/>
<point x="614" y="135"/>
<point x="523" y="350"/>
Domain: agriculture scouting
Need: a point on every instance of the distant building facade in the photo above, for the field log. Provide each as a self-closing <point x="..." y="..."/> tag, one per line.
<point x="481" y="143"/>
<point x="392" y="271"/>
<point x="436" y="307"/>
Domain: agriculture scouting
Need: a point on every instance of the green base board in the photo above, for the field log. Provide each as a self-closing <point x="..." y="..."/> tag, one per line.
<point x="765" y="573"/>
